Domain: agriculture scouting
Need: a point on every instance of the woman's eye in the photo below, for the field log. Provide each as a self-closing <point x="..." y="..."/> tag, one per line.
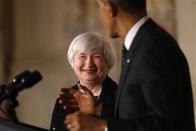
<point x="97" y="56"/>
<point x="82" y="57"/>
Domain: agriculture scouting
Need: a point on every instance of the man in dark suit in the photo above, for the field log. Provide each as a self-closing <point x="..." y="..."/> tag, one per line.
<point x="154" y="91"/>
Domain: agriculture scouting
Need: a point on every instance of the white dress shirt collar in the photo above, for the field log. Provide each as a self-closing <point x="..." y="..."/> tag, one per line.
<point x="133" y="31"/>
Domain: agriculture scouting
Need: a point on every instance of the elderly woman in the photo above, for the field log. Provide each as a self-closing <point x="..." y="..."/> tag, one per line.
<point x="91" y="58"/>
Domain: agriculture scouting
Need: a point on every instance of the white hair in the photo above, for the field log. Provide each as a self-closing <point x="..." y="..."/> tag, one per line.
<point x="91" y="41"/>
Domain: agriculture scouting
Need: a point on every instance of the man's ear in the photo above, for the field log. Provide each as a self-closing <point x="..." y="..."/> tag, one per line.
<point x="114" y="9"/>
<point x="109" y="7"/>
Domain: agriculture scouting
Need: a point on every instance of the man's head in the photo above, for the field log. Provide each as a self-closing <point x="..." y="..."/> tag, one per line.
<point x="130" y="5"/>
<point x="114" y="14"/>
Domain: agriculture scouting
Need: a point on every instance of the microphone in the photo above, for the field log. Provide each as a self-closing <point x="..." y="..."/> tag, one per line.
<point x="26" y="81"/>
<point x="33" y="79"/>
<point x="16" y="80"/>
<point x="22" y="81"/>
<point x="8" y="93"/>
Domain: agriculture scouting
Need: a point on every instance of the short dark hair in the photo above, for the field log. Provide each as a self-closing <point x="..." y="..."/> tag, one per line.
<point x="130" y="5"/>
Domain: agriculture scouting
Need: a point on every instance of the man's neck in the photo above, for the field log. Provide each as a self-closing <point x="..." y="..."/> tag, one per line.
<point x="126" y="22"/>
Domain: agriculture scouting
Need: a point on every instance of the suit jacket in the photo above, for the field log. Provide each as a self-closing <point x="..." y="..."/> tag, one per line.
<point x="154" y="91"/>
<point x="107" y="97"/>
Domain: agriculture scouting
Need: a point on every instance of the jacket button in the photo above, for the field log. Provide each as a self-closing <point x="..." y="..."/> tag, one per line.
<point x="128" y="60"/>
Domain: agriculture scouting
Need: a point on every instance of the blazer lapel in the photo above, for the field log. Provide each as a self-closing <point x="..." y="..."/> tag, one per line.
<point x="124" y="69"/>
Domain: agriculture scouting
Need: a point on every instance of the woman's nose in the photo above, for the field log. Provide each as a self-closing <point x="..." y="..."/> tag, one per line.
<point x="90" y="61"/>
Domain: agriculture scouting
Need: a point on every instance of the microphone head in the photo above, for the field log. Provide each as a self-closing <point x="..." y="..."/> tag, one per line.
<point x="34" y="78"/>
<point x="24" y="81"/>
<point x="17" y="79"/>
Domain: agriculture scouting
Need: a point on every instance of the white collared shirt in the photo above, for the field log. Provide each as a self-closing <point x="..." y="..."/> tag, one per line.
<point x="133" y="31"/>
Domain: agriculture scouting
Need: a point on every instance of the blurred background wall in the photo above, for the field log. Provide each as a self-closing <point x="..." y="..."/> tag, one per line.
<point x="35" y="35"/>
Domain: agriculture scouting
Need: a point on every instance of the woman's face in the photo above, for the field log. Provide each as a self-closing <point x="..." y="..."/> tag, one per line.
<point x="90" y="66"/>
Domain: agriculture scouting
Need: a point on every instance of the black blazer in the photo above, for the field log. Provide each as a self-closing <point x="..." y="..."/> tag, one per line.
<point x="107" y="97"/>
<point x="154" y="91"/>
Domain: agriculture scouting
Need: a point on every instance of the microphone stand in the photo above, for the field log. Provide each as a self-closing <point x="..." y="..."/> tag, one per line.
<point x="8" y="93"/>
<point x="8" y="105"/>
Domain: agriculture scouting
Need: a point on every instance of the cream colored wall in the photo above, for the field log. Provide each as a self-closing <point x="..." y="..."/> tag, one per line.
<point x="40" y="45"/>
<point x="43" y="32"/>
<point x="186" y="34"/>
<point x="1" y="40"/>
